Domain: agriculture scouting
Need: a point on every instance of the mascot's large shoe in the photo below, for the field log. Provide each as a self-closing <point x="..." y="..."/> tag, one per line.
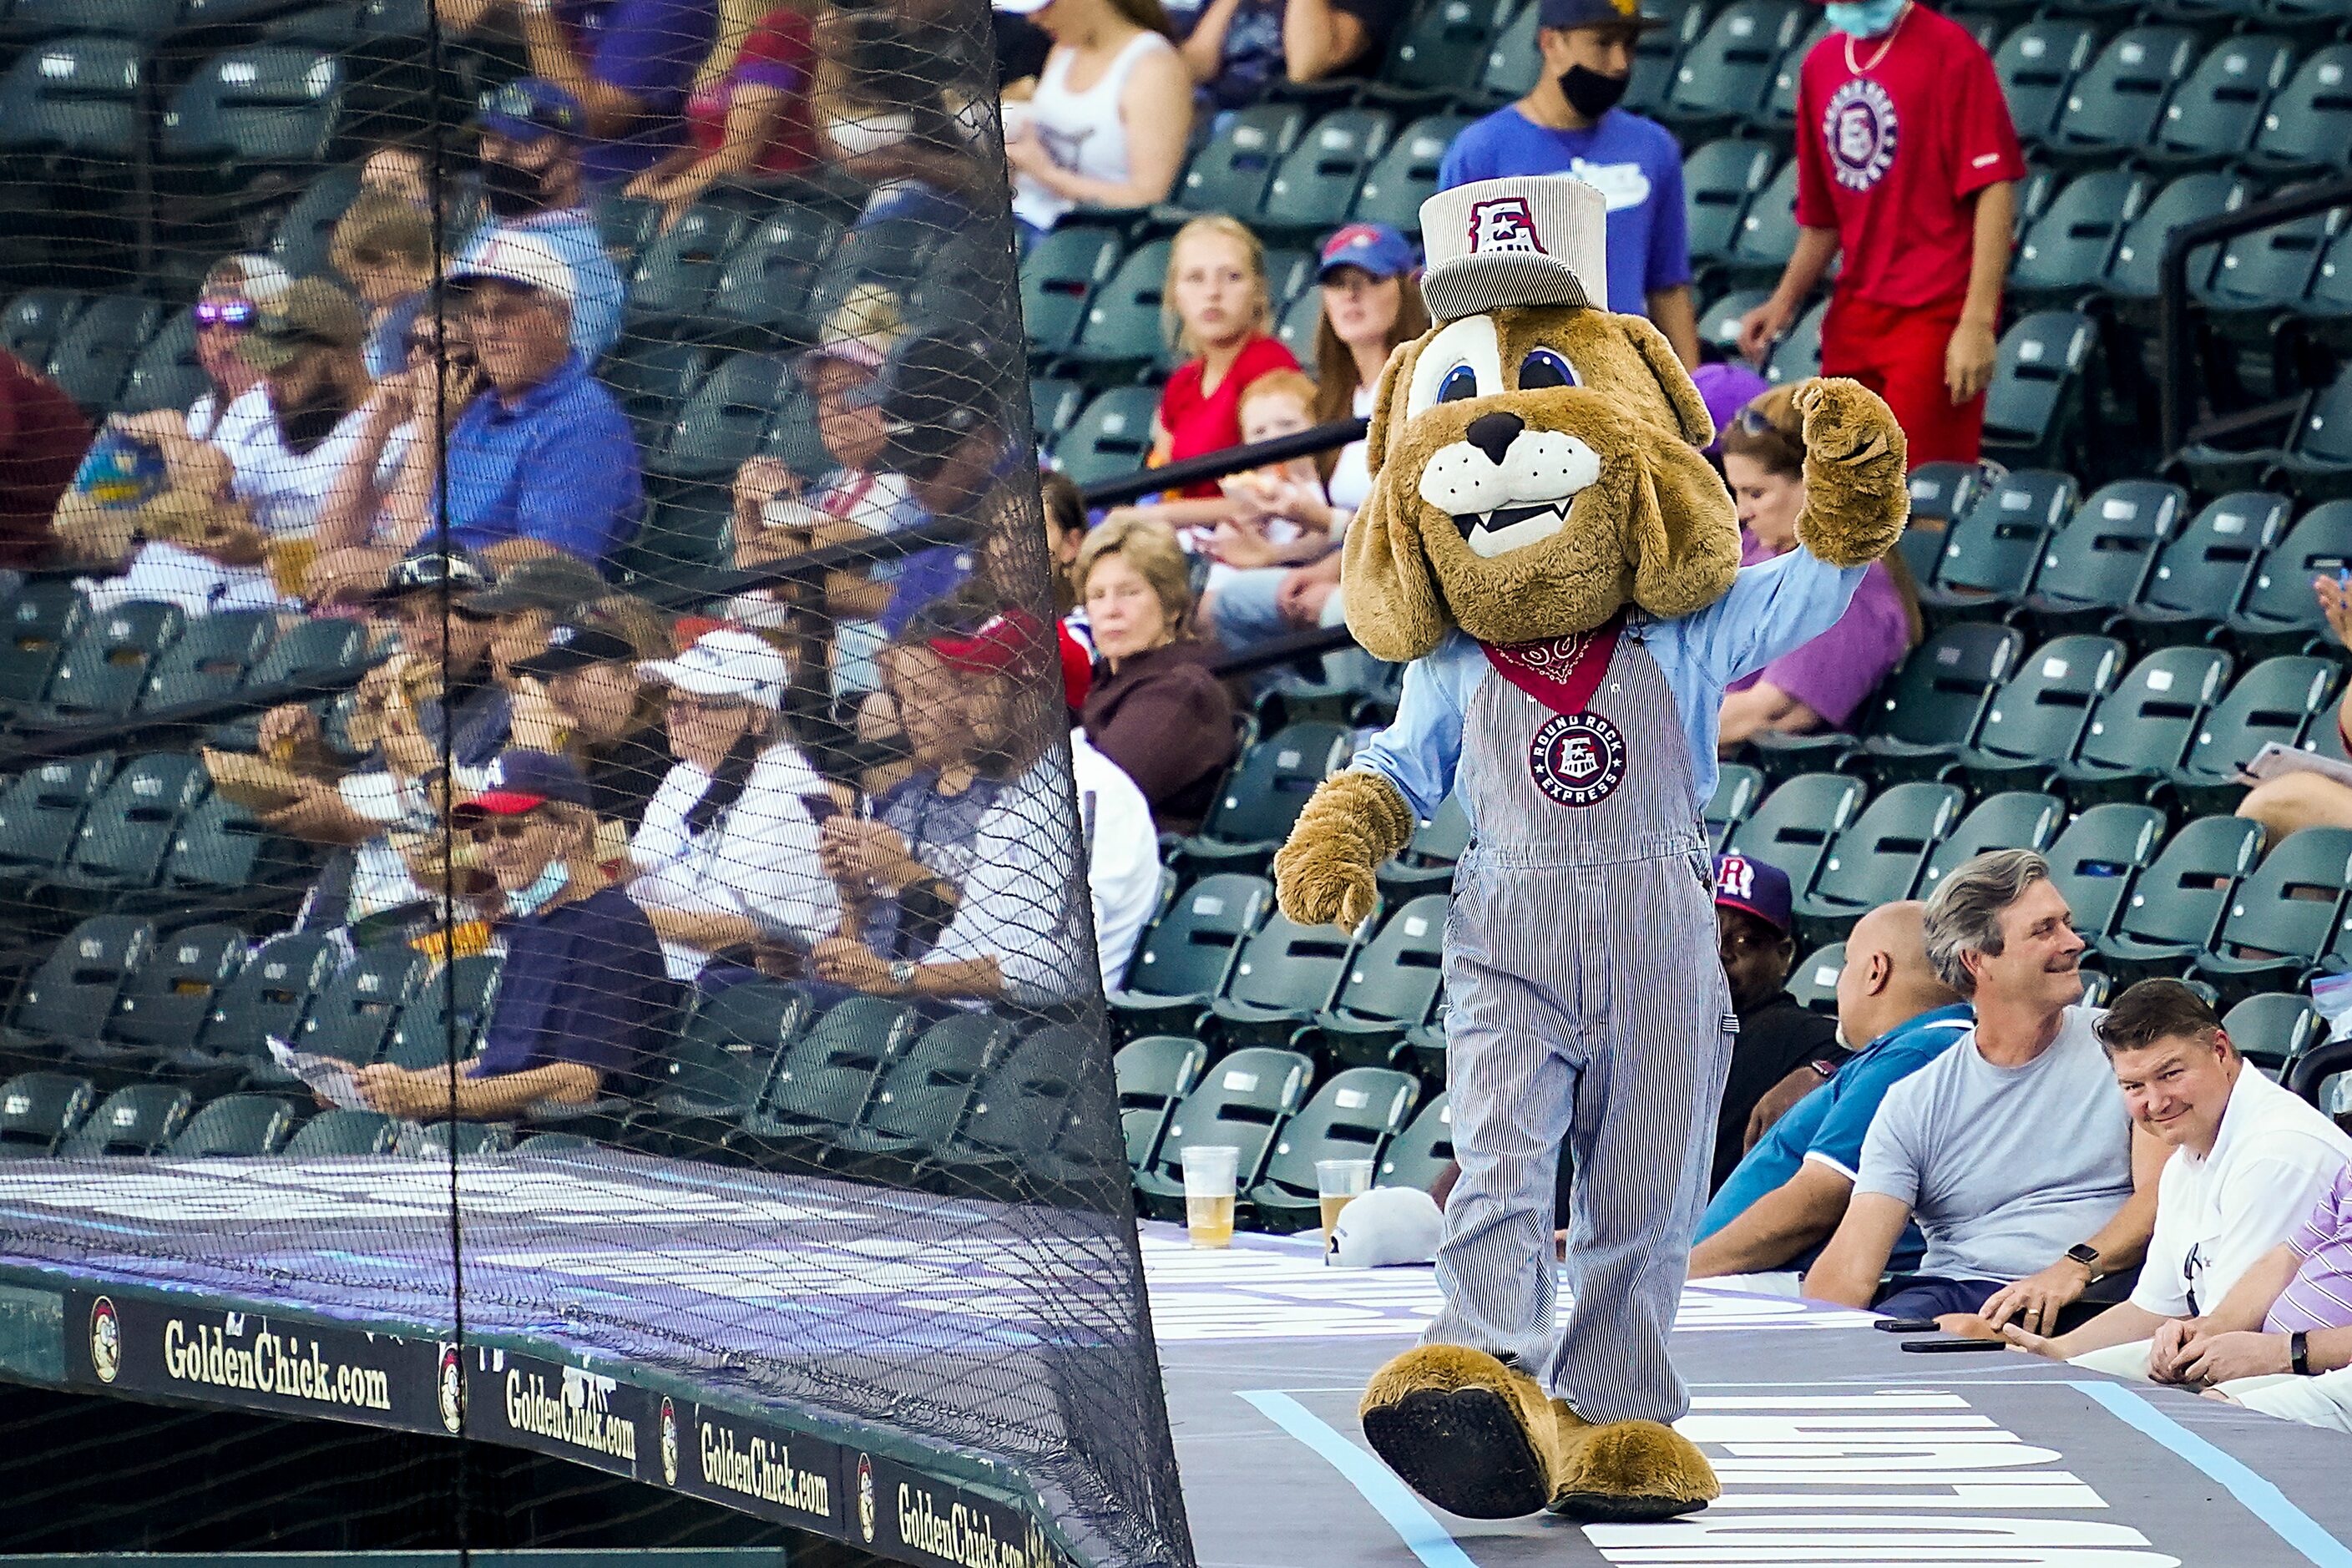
<point x="1627" y="1472"/>
<point x="1473" y="1437"/>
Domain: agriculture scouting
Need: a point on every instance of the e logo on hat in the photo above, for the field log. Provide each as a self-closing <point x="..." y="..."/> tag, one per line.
<point x="1505" y="225"/>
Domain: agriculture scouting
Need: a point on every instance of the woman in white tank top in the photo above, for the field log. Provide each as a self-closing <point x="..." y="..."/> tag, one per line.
<point x="1107" y="122"/>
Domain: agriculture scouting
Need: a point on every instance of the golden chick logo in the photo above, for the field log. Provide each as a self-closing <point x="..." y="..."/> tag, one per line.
<point x="668" y="1442"/>
<point x="105" y="1340"/>
<point x="865" y="1496"/>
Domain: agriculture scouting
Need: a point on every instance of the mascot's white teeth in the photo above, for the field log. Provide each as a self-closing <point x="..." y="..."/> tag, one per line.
<point x="1508" y="528"/>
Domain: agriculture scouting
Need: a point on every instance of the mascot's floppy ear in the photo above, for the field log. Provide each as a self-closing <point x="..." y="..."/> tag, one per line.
<point x="1393" y="609"/>
<point x="1690" y="410"/>
<point x="1680" y="535"/>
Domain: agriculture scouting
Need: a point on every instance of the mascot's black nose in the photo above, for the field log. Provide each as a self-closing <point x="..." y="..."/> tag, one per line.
<point x="1494" y="433"/>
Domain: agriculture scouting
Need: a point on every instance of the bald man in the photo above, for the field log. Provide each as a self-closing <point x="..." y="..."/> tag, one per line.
<point x="1790" y="1191"/>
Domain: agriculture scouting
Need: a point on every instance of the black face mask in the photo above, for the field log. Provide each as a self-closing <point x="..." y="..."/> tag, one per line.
<point x="512" y="190"/>
<point x="1588" y="92"/>
<point x="306" y="424"/>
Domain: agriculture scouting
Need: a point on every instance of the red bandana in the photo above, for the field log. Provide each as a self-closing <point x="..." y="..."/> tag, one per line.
<point x="1561" y="673"/>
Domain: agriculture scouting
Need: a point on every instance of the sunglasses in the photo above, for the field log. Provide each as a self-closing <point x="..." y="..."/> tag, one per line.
<point x="684" y="703"/>
<point x="1752" y="422"/>
<point x="237" y="313"/>
<point x="509" y="830"/>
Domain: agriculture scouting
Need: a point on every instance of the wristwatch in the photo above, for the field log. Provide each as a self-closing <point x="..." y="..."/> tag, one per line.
<point x="902" y="975"/>
<point x="2298" y="1354"/>
<point x="2084" y="1253"/>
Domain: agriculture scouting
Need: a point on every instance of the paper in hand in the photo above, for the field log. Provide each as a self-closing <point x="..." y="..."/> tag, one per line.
<point x="2273" y="760"/>
<point x="324" y="1075"/>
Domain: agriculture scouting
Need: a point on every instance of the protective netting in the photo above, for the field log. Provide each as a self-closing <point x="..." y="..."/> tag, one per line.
<point x="538" y="838"/>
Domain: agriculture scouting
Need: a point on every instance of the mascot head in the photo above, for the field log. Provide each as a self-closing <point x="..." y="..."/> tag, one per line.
<point x="1534" y="458"/>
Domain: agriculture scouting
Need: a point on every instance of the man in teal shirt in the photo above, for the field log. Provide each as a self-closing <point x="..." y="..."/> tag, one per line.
<point x="1790" y="1191"/>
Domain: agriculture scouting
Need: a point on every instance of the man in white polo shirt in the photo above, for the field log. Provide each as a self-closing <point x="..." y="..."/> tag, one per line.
<point x="2248" y="1161"/>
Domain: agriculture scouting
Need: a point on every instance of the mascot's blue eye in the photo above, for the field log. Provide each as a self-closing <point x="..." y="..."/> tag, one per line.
<point x="1544" y="368"/>
<point x="1460" y="382"/>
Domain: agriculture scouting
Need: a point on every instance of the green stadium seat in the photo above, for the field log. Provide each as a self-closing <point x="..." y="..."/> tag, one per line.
<point x="768" y="278"/>
<point x="2317" y="462"/>
<point x="2269" y="271"/>
<point x="1406" y="174"/>
<point x="443" y="1142"/>
<point x="2272" y="1028"/>
<point x="1793" y="827"/>
<point x="2179" y="901"/>
<point x="921" y="1100"/>
<point x="2066" y="250"/>
<point x="1717" y="181"/>
<point x="40" y="620"/>
<point x="676" y="270"/>
<point x="1153" y="1073"/>
<point x="1514" y="62"/>
<point x="353" y="1016"/>
<point x="38" y="1110"/>
<point x="2116" y="104"/>
<point x="1778" y="113"/>
<point x="555" y="1143"/>
<point x="235" y="1127"/>
<point x="1059" y="277"/>
<point x="709" y="1079"/>
<point x="309" y="650"/>
<point x="1738" y="788"/>
<point x="342" y="1135"/>
<point x="252" y="109"/>
<point x="1283" y="975"/>
<point x="164" y="1004"/>
<point x="1941" y="494"/>
<point x="1290" y="271"/>
<point x="447" y="1007"/>
<point x="107" y="666"/>
<point x="1122" y="322"/>
<point x="2202" y="572"/>
<point x="1352" y="1117"/>
<point x="2278" y="606"/>
<point x="2134" y="271"/>
<point x="2097" y="562"/>
<point x="1443" y="44"/>
<point x="2215" y="112"/>
<point x="35" y="320"/>
<point x="71" y="105"/>
<point x="721" y="424"/>
<point x="1313" y="186"/>
<point x="1767" y="229"/>
<point x="1263" y="793"/>
<point x="2036" y="64"/>
<point x="165" y="374"/>
<point x="1719" y="319"/>
<point x="1939" y="694"/>
<point x="95" y="353"/>
<point x="1244" y="1100"/>
<point x="1189" y="951"/>
<point x="1112" y="438"/>
<point x="209" y="660"/>
<point x="2038" y="388"/>
<point x="1799" y="355"/>
<point x="2095" y="860"/>
<point x="2145" y="726"/>
<point x="1725" y="74"/>
<point x="2283" y="916"/>
<point x="2039" y="716"/>
<point x="2274" y="700"/>
<point x="2308" y="124"/>
<point x="824" y="1078"/>
<point x="1421" y="1154"/>
<point x="1991" y="555"/>
<point x="1390" y="984"/>
<point x="1230" y="174"/>
<point x="1879" y="857"/>
<point x="299" y="242"/>
<point x="623" y="223"/>
<point x="129" y="831"/>
<point x="2013" y="819"/>
<point x="266" y="999"/>
<point x="1426" y="862"/>
<point x="651" y="380"/>
<point x="1012" y="1131"/>
<point x="69" y="1000"/>
<point x="41" y="811"/>
<point x="137" y="1119"/>
<point x="1299" y="324"/>
<point x="1054" y="405"/>
<point x="1813" y="980"/>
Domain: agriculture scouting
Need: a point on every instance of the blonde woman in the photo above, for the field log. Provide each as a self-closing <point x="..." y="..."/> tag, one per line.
<point x="1217" y="310"/>
<point x="1154" y="707"/>
<point x="1106" y="119"/>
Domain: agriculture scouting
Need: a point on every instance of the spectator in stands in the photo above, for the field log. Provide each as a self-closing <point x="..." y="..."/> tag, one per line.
<point x="625" y="65"/>
<point x="582" y="990"/>
<point x="1217" y="310"/>
<point x="383" y="245"/>
<point x="1066" y="535"/>
<point x="582" y="696"/>
<point x="1105" y="123"/>
<point x="399" y="169"/>
<point x="727" y="856"/>
<point x="1570" y="123"/>
<point x="747" y="115"/>
<point x="542" y="460"/>
<point x="1822" y="685"/>
<point x="1238" y="49"/>
<point x="534" y="182"/>
<point x="1725" y="386"/>
<point x="234" y="293"/>
<point x="2248" y="1162"/>
<point x="1115" y="823"/>
<point x="2012" y="1149"/>
<point x="2290" y="802"/>
<point x="525" y="601"/>
<point x="1155" y="708"/>
<point x="1907" y="166"/>
<point x="901" y="120"/>
<point x="943" y="402"/>
<point x="1788" y="1192"/>
<point x="1755" y="926"/>
<point x="42" y="438"/>
<point x="1281" y="515"/>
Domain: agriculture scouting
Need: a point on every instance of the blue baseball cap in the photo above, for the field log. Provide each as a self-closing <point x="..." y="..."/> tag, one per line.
<point x="1374" y="247"/>
<point x="530" y="108"/>
<point x="524" y="781"/>
<point x="1570" y="14"/>
<point x="1754" y="888"/>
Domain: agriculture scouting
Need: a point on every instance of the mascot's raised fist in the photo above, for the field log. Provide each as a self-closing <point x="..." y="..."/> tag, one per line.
<point x="1856" y="497"/>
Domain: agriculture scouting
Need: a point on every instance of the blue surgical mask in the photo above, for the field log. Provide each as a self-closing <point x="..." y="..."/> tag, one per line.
<point x="1862" y="18"/>
<point x="552" y="880"/>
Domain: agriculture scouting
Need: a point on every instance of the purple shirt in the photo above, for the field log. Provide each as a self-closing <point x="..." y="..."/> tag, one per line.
<point x="650" y="49"/>
<point x="1835" y="672"/>
<point x="2320" y="1294"/>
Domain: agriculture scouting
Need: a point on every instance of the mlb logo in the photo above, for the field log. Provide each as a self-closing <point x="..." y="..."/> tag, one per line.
<point x="1503" y="226"/>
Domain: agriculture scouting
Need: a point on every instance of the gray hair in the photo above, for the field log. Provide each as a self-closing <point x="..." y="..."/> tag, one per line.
<point x="1964" y="913"/>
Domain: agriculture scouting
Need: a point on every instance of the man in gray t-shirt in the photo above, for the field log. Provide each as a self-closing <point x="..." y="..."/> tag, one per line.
<point x="2013" y="1150"/>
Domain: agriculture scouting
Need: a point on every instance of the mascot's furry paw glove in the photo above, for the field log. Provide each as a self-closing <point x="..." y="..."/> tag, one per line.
<point x="1856" y="495"/>
<point x="1483" y="1440"/>
<point x="1323" y="876"/>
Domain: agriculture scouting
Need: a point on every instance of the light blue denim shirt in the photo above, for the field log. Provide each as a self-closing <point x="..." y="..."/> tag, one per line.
<point x="1772" y="606"/>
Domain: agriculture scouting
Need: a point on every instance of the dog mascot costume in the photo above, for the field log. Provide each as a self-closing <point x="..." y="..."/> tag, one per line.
<point x="1546" y="545"/>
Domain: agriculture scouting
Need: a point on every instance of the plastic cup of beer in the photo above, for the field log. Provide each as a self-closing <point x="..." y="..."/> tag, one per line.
<point x="1339" y="1182"/>
<point x="1209" y="1171"/>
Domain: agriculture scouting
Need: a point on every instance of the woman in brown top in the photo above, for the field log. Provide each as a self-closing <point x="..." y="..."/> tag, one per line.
<point x="1155" y="708"/>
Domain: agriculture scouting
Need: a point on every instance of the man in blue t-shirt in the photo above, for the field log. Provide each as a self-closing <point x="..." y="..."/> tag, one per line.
<point x="1790" y="1191"/>
<point x="629" y="64"/>
<point x="1571" y="125"/>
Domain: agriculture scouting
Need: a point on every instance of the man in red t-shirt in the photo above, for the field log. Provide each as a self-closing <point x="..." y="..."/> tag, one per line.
<point x="1907" y="164"/>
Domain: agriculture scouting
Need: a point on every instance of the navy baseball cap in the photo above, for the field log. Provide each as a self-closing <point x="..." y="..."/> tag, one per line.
<point x="524" y="781"/>
<point x="1568" y="14"/>
<point x="529" y="108"/>
<point x="577" y="644"/>
<point x="1754" y="888"/>
<point x="1374" y="247"/>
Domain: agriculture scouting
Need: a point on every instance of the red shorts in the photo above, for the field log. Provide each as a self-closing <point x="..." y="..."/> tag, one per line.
<point x="1898" y="353"/>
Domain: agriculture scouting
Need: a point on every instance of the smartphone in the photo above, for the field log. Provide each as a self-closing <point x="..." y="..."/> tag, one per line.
<point x="1905" y="1325"/>
<point x="820" y="806"/>
<point x="1952" y="1347"/>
